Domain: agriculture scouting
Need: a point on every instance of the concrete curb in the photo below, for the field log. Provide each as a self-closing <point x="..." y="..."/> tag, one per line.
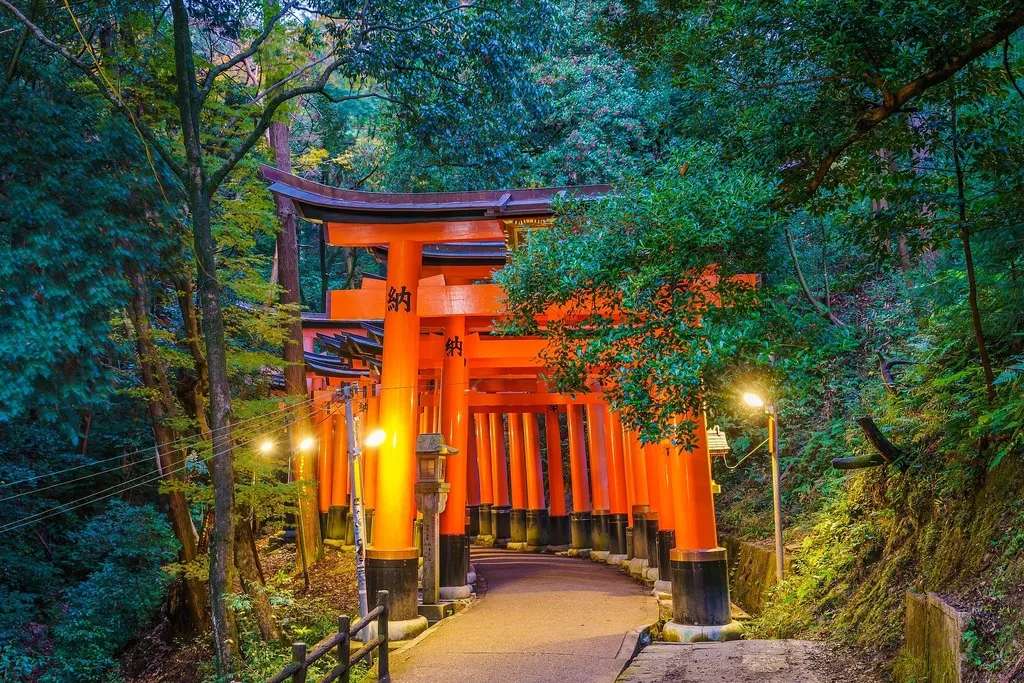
<point x="632" y="645"/>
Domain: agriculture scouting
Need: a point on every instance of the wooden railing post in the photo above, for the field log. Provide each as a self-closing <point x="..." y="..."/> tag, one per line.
<point x="344" y="646"/>
<point x="383" y="671"/>
<point x="299" y="657"/>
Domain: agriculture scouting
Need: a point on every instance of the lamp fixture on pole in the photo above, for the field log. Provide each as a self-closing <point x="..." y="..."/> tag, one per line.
<point x="757" y="401"/>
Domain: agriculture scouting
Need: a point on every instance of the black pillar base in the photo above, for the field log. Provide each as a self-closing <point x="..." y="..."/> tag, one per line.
<point x="484" y="526"/>
<point x="337" y="521"/>
<point x="368" y="527"/>
<point x="453" y="551"/>
<point x="517" y="522"/>
<point x="700" y="587"/>
<point x="395" y="572"/>
<point x="629" y="543"/>
<point x="501" y="523"/>
<point x="350" y="528"/>
<point x="558" y="530"/>
<point x="323" y="522"/>
<point x="536" y="527"/>
<point x="651" y="534"/>
<point x="640" y="531"/>
<point x="666" y="541"/>
<point x="472" y="520"/>
<point x="617" y="533"/>
<point x="579" y="530"/>
<point x="599" y="531"/>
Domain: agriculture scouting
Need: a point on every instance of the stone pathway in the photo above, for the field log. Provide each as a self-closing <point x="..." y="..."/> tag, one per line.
<point x="540" y="618"/>
<point x="746" y="661"/>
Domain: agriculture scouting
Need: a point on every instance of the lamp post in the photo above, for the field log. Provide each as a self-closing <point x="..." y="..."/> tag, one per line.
<point x="305" y="445"/>
<point x="755" y="401"/>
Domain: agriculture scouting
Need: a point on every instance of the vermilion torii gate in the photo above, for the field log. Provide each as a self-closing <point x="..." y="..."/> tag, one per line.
<point x="438" y="307"/>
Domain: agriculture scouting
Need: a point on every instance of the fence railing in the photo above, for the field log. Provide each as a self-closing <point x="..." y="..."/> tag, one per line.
<point x="342" y="642"/>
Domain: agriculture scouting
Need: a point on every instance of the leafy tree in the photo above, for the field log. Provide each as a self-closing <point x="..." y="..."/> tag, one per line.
<point x="64" y="251"/>
<point x="127" y="546"/>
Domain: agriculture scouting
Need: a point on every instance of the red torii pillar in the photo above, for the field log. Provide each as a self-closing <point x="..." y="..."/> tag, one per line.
<point x="482" y="429"/>
<point x="472" y="487"/>
<point x="699" y="570"/>
<point x="536" y="509"/>
<point x="580" y="519"/>
<point x="642" y="501"/>
<point x="501" y="519"/>
<point x="454" y="545"/>
<point x="337" y="526"/>
<point x="618" y="499"/>
<point x="517" y="476"/>
<point x="558" y="519"/>
<point x="654" y="469"/>
<point x="668" y="495"/>
<point x="369" y="460"/>
<point x="597" y="442"/>
<point x="392" y="558"/>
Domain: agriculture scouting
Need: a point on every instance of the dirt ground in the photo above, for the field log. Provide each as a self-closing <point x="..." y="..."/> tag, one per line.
<point x="161" y="657"/>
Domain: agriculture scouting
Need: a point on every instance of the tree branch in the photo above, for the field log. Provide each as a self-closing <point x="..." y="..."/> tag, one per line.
<point x="823" y="310"/>
<point x="267" y="117"/>
<point x="112" y="97"/>
<point x="419" y="24"/>
<point x="216" y="71"/>
<point x="893" y="101"/>
<point x="1006" y="67"/>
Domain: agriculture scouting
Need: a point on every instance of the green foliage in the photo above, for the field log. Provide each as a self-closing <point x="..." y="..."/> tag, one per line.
<point x="124" y="548"/>
<point x="697" y="220"/>
<point x="76" y="209"/>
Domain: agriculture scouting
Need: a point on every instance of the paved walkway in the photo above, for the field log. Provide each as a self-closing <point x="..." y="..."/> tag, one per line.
<point x="746" y="661"/>
<point x="542" y="618"/>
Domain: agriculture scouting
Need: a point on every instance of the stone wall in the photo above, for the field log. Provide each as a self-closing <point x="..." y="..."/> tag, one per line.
<point x="751" y="572"/>
<point x="933" y="633"/>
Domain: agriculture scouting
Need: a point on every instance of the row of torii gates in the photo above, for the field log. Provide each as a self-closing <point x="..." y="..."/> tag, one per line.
<point x="433" y="365"/>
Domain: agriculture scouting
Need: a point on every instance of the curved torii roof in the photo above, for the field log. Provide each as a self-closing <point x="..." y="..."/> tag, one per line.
<point x="317" y="202"/>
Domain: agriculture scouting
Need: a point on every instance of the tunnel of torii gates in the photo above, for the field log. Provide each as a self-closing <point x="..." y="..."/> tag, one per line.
<point x="420" y="345"/>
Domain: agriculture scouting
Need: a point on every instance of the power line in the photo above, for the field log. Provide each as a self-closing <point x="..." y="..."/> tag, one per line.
<point x="150" y="477"/>
<point x="247" y="431"/>
<point x="192" y="437"/>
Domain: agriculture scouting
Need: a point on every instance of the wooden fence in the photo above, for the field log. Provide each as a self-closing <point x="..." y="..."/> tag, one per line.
<point x="342" y="641"/>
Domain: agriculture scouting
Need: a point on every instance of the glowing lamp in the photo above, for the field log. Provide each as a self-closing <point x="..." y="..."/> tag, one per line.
<point x="375" y="438"/>
<point x="307" y="443"/>
<point x="266" y="447"/>
<point x="753" y="400"/>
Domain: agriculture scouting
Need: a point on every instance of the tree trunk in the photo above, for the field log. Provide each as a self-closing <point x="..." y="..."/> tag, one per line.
<point x="221" y="463"/>
<point x="201" y="389"/>
<point x="252" y="582"/>
<point x="225" y="640"/>
<point x="972" y="281"/>
<point x="303" y="463"/>
<point x="323" y="267"/>
<point x="161" y="407"/>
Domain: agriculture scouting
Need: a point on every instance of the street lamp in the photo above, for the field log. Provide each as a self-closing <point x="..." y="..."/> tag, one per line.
<point x="306" y="444"/>
<point x="267" y="447"/>
<point x="375" y="438"/>
<point x="757" y="401"/>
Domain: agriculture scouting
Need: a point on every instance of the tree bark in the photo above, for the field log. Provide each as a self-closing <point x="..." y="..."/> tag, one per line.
<point x="186" y="290"/>
<point x="252" y="582"/>
<point x="303" y="463"/>
<point x="225" y="640"/>
<point x="161" y="407"/>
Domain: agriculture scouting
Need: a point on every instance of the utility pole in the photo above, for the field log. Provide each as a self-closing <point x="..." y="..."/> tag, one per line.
<point x="773" y="447"/>
<point x="348" y="393"/>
